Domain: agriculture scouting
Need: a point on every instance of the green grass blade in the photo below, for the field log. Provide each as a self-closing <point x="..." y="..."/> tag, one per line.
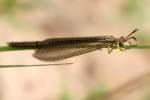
<point x="8" y="66"/>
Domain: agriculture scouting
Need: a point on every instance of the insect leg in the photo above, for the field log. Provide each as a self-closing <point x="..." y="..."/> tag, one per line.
<point x="109" y="49"/>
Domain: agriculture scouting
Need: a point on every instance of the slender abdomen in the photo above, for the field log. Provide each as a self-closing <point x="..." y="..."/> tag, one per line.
<point x="28" y="44"/>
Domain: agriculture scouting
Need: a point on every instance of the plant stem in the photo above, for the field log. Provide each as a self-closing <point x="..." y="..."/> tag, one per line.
<point x="137" y="47"/>
<point x="52" y="64"/>
<point x="7" y="48"/>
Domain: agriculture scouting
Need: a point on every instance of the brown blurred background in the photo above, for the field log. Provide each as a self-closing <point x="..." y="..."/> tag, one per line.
<point x="93" y="76"/>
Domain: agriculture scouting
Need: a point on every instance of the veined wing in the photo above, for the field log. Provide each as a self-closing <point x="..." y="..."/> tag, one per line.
<point x="51" y="54"/>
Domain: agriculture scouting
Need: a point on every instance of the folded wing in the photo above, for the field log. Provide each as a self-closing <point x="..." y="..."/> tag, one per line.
<point x="51" y="54"/>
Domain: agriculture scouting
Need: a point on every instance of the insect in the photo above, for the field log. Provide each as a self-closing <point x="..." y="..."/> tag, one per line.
<point x="56" y="49"/>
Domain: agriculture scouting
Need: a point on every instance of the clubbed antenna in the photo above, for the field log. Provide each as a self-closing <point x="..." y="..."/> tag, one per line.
<point x="128" y="36"/>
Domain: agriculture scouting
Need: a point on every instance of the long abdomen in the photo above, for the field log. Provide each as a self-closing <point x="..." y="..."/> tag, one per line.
<point x="27" y="44"/>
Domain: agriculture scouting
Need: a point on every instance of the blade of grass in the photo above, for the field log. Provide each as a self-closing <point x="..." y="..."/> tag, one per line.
<point x="7" y="48"/>
<point x="137" y="46"/>
<point x="8" y="66"/>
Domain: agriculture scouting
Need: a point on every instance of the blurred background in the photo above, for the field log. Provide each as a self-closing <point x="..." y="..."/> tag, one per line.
<point x="93" y="76"/>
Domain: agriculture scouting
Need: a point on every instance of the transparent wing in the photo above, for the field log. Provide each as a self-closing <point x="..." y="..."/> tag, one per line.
<point x="49" y="54"/>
